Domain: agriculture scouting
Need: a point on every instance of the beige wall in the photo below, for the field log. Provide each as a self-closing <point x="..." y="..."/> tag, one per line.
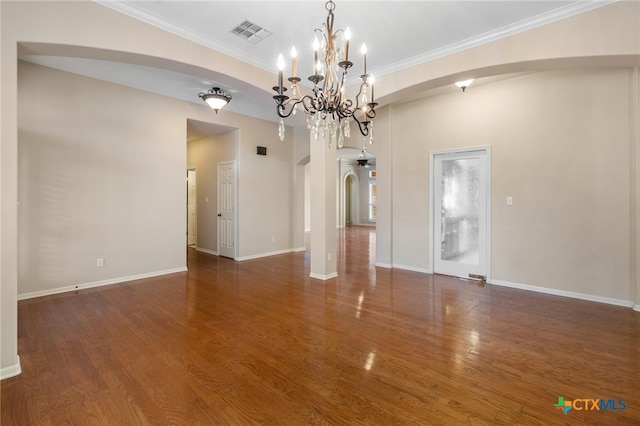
<point x="101" y="175"/>
<point x="106" y="180"/>
<point x="265" y="190"/>
<point x="560" y="143"/>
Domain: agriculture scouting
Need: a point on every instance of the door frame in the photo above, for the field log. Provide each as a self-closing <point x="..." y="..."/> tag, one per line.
<point x="195" y="225"/>
<point x="235" y="206"/>
<point x="432" y="158"/>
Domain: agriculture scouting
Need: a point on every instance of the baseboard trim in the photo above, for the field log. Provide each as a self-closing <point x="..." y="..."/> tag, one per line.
<point x="564" y="293"/>
<point x="384" y="265"/>
<point x="119" y="280"/>
<point x="258" y="256"/>
<point x="323" y="277"/>
<point x="299" y="249"/>
<point x="412" y="268"/>
<point x="537" y="289"/>
<point x="204" y="250"/>
<point x="12" y="370"/>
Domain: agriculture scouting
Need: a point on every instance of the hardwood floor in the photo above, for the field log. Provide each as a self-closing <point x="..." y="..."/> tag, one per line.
<point x="259" y="342"/>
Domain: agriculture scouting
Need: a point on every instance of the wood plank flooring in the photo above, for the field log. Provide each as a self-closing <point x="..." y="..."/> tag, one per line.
<point x="259" y="342"/>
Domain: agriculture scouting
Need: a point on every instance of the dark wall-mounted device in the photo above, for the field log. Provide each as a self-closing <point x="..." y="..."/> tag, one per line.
<point x="262" y="150"/>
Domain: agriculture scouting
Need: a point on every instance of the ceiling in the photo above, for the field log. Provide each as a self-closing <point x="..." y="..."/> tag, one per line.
<point x="398" y="34"/>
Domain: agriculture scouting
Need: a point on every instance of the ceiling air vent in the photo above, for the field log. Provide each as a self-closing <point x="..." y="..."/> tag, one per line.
<point x="251" y="32"/>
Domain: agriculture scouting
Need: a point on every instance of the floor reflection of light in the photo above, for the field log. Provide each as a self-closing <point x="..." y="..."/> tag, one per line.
<point x="370" y="359"/>
<point x="360" y="300"/>
<point x="475" y="338"/>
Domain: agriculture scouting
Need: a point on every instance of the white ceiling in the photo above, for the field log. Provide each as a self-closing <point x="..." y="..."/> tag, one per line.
<point x="398" y="34"/>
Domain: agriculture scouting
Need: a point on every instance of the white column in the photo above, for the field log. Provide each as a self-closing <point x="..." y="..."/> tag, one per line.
<point x="635" y="185"/>
<point x="9" y="360"/>
<point x="384" y="185"/>
<point x="323" y="209"/>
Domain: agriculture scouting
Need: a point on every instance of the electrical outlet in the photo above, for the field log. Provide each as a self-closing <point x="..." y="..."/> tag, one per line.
<point x="329" y="257"/>
<point x="100" y="262"/>
<point x="509" y="201"/>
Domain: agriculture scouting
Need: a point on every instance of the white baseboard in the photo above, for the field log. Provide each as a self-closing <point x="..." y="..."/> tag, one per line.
<point x="323" y="277"/>
<point x="119" y="280"/>
<point x="258" y="256"/>
<point x="299" y="249"/>
<point x="204" y="250"/>
<point x="12" y="370"/>
<point x="574" y="295"/>
<point x="412" y="268"/>
<point x="555" y="292"/>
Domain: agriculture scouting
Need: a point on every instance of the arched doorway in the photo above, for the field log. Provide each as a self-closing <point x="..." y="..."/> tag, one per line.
<point x="350" y="184"/>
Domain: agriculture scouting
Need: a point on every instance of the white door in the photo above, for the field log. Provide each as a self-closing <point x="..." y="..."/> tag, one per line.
<point x="191" y="207"/>
<point x="460" y="214"/>
<point x="226" y="209"/>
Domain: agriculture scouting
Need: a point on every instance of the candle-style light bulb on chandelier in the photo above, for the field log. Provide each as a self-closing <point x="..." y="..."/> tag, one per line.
<point x="329" y="110"/>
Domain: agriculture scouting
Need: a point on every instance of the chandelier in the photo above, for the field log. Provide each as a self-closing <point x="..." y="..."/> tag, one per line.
<point x="329" y="110"/>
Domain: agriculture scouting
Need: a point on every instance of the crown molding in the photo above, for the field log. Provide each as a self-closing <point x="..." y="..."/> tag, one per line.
<point x="128" y="9"/>
<point x="567" y="11"/>
<point x="564" y="12"/>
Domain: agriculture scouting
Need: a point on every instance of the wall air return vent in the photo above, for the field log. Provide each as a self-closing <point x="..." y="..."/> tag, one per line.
<point x="251" y="32"/>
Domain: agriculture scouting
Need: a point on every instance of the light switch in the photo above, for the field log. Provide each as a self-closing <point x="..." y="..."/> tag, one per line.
<point x="509" y="201"/>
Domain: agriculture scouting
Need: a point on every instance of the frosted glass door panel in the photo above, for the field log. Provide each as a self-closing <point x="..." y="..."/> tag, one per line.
<point x="459" y="210"/>
<point x="460" y="200"/>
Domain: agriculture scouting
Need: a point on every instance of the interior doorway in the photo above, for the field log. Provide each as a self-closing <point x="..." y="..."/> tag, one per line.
<point x="227" y="209"/>
<point x="460" y="199"/>
<point x="350" y="213"/>
<point x="192" y="208"/>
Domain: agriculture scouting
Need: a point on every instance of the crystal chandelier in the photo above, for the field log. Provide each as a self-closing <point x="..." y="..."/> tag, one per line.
<point x="329" y="110"/>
